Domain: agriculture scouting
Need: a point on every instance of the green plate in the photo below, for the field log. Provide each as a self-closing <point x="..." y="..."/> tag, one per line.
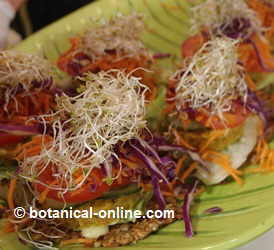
<point x="247" y="210"/>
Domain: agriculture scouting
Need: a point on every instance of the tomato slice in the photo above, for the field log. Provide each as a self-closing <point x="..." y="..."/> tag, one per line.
<point x="191" y="45"/>
<point x="91" y="190"/>
<point x="232" y="119"/>
<point x="8" y="139"/>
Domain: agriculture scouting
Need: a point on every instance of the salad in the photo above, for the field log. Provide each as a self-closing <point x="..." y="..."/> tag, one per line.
<point x="251" y="22"/>
<point x="214" y="112"/>
<point x="113" y="44"/>
<point x="96" y="151"/>
<point x="25" y="81"/>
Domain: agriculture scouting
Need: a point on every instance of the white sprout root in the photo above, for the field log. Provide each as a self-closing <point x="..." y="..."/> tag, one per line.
<point x="212" y="79"/>
<point x="120" y="34"/>
<point x="215" y="14"/>
<point x="110" y="109"/>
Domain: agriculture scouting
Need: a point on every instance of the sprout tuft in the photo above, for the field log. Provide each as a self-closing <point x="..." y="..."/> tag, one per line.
<point x="110" y="109"/>
<point x="218" y="15"/>
<point x="212" y="79"/>
<point x="120" y="34"/>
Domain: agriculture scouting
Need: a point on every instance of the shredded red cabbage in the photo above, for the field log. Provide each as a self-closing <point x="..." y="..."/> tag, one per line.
<point x="186" y="209"/>
<point x="150" y="164"/>
<point x="194" y="156"/>
<point x="213" y="210"/>
<point x="238" y="28"/>
<point x="255" y="106"/>
<point x="157" y="192"/>
<point x="45" y="84"/>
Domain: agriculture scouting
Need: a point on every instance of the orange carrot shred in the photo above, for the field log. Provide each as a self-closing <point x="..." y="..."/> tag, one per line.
<point x="11" y="190"/>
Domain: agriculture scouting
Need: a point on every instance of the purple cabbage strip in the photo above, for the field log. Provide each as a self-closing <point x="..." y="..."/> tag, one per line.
<point x="21" y="130"/>
<point x="160" y="144"/>
<point x="213" y="210"/>
<point x="260" y="59"/>
<point x="93" y="187"/>
<point x="157" y="193"/>
<point x="75" y="67"/>
<point x="45" y="84"/>
<point x="167" y="161"/>
<point x="186" y="210"/>
<point x="148" y="148"/>
<point x="254" y="105"/>
<point x="152" y="151"/>
<point x="195" y="156"/>
<point x="150" y="164"/>
<point x="71" y="92"/>
<point x="156" y="174"/>
<point x="238" y="28"/>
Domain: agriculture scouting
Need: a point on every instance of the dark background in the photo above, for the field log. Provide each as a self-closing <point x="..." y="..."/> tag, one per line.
<point x="44" y="12"/>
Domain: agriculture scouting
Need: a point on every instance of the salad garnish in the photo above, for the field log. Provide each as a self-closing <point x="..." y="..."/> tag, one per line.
<point x="212" y="78"/>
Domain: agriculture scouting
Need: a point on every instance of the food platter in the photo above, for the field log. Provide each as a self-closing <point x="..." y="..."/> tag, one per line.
<point x="247" y="210"/>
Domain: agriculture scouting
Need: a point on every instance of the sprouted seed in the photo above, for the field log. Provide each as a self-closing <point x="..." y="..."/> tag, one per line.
<point x="216" y="15"/>
<point x="109" y="109"/>
<point x="120" y="34"/>
<point x="212" y="79"/>
<point x="17" y="67"/>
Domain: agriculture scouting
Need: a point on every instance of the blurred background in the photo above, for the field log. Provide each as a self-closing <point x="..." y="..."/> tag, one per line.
<point x="33" y="15"/>
<point x="21" y="18"/>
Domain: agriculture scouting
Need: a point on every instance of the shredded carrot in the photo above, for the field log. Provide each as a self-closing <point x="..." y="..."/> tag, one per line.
<point x="180" y="140"/>
<point x="146" y="187"/>
<point x="265" y="156"/>
<point x="223" y="161"/>
<point x="9" y="227"/>
<point x="170" y="107"/>
<point x="179" y="165"/>
<point x="43" y="196"/>
<point x="264" y="153"/>
<point x="129" y="163"/>
<point x="250" y="82"/>
<point x="11" y="190"/>
<point x="186" y="122"/>
<point x="165" y="193"/>
<point x="212" y="136"/>
<point x="31" y="148"/>
<point x="199" y="190"/>
<point x="193" y="44"/>
<point x="265" y="13"/>
<point x="249" y="56"/>
<point x="107" y="62"/>
<point x="130" y="65"/>
<point x="78" y="191"/>
<point x="22" y="105"/>
<point x="187" y="173"/>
